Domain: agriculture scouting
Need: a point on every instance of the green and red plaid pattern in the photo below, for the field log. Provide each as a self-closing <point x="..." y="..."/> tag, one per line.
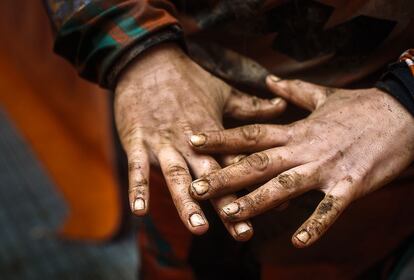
<point x="94" y="34"/>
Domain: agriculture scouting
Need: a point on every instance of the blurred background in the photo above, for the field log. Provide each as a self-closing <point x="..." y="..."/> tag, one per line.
<point x="60" y="204"/>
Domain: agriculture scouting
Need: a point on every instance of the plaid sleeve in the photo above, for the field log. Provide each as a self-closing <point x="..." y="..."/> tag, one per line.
<point x="100" y="37"/>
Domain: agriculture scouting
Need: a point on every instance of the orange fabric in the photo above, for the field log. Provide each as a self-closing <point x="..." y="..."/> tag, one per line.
<point x="165" y="220"/>
<point x="65" y="120"/>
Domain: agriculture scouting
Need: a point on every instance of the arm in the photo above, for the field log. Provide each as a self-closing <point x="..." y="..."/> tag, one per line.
<point x="161" y="96"/>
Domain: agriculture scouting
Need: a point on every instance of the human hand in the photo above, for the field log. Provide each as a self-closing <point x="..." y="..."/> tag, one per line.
<point x="160" y="100"/>
<point x="354" y="142"/>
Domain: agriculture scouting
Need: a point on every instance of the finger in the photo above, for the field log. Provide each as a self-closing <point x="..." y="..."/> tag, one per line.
<point x="178" y="178"/>
<point x="249" y="138"/>
<point x="242" y="106"/>
<point x="138" y="174"/>
<point x="303" y="94"/>
<point x="202" y="165"/>
<point x="277" y="191"/>
<point x="241" y="230"/>
<point x="227" y="160"/>
<point x="256" y="168"/>
<point x="324" y="216"/>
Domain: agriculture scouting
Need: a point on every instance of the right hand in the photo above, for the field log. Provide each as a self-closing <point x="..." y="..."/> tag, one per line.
<point x="160" y="100"/>
<point x="353" y="143"/>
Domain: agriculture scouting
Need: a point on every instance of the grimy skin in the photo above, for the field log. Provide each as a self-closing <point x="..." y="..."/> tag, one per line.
<point x="162" y="99"/>
<point x="353" y="142"/>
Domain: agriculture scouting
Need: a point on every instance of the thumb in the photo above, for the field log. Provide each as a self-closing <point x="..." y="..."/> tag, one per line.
<point x="243" y="106"/>
<point x="303" y="94"/>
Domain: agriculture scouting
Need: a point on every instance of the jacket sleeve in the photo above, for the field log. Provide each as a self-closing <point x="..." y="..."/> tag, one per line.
<point x="100" y="37"/>
<point x="398" y="80"/>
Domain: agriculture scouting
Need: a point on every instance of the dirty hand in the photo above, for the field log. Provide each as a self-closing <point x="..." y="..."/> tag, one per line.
<point x="160" y="100"/>
<point x="354" y="142"/>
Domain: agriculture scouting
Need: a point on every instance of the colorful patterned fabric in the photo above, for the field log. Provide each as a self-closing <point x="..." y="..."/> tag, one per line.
<point x="408" y="58"/>
<point x="93" y="34"/>
<point x="295" y="38"/>
<point x="62" y="10"/>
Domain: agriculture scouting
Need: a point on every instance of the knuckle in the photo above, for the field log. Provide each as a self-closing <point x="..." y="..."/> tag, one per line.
<point x="139" y="184"/>
<point x="315" y="227"/>
<point x="218" y="180"/>
<point x="138" y="191"/>
<point x="176" y="171"/>
<point x="138" y="188"/>
<point x="290" y="131"/>
<point x="166" y="136"/>
<point x="184" y="126"/>
<point x="287" y="181"/>
<point x="327" y="91"/>
<point x="259" y="161"/>
<point x="255" y="103"/>
<point x="220" y="138"/>
<point x="320" y="98"/>
<point x="237" y="159"/>
<point x="331" y="206"/>
<point x="130" y="136"/>
<point x="134" y="166"/>
<point x="252" y="132"/>
<point x="187" y="203"/>
<point x="129" y="132"/>
<point x="296" y="82"/>
<point x="248" y="207"/>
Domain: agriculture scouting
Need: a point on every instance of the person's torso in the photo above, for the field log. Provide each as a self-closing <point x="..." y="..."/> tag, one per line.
<point x="334" y="42"/>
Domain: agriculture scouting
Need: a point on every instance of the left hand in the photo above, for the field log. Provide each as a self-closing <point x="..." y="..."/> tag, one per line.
<point x="354" y="142"/>
<point x="160" y="98"/>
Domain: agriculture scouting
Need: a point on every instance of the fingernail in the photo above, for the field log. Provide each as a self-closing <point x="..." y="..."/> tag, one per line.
<point x="196" y="220"/>
<point x="200" y="186"/>
<point x="275" y="101"/>
<point x="303" y="236"/>
<point x="139" y="204"/>
<point x="231" y="208"/>
<point x="275" y="79"/>
<point x="242" y="228"/>
<point x="198" y="140"/>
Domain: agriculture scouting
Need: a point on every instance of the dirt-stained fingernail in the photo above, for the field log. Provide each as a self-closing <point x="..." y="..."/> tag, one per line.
<point x="200" y="186"/>
<point x="198" y="140"/>
<point x="275" y="79"/>
<point x="231" y="209"/>
<point x="276" y="101"/>
<point x="139" y="204"/>
<point x="303" y="236"/>
<point x="197" y="220"/>
<point x="242" y="228"/>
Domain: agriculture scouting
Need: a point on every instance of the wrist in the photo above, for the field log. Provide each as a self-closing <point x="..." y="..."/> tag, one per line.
<point x="161" y="59"/>
<point x="398" y="81"/>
